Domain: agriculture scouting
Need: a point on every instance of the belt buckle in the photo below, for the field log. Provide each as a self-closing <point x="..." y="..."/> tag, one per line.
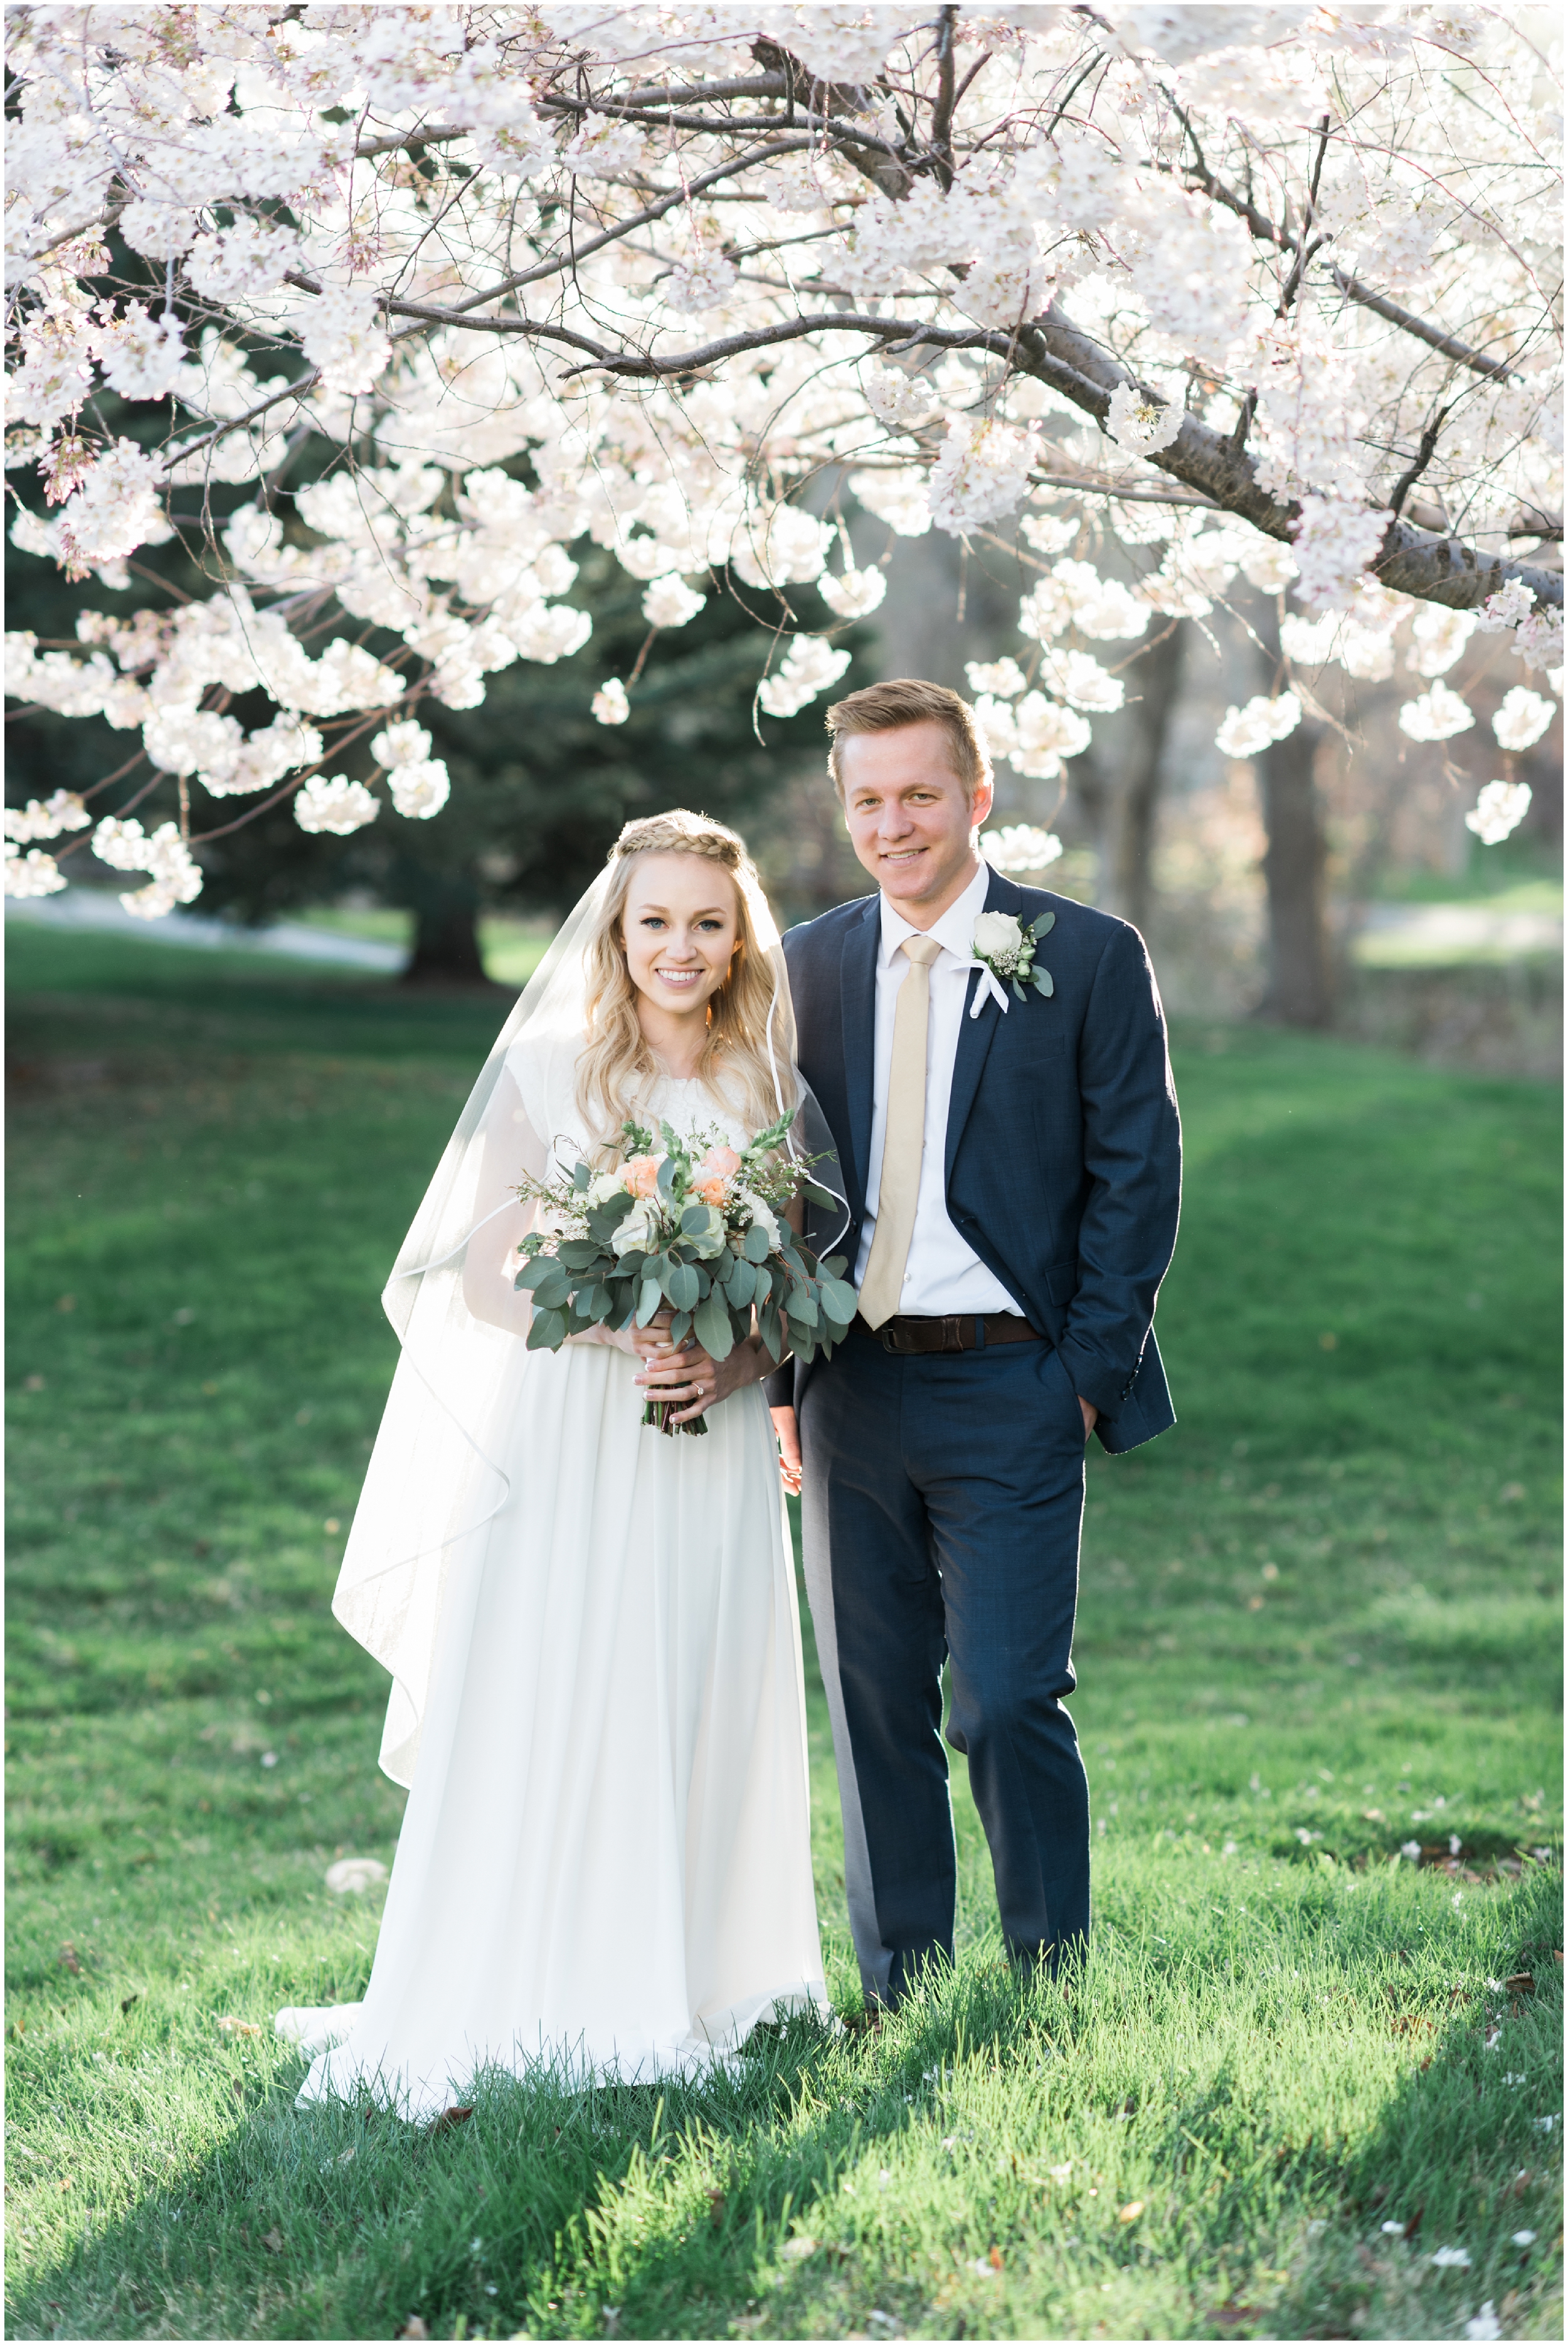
<point x="952" y="1333"/>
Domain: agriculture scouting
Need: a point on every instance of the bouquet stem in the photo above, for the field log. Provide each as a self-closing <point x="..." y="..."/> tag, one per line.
<point x="661" y="1413"/>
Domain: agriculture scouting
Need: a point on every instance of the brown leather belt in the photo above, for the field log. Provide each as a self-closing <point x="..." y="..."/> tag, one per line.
<point x="972" y="1333"/>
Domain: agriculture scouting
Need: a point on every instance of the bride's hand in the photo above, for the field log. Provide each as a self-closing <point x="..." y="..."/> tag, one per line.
<point x="691" y="1376"/>
<point x="667" y="1373"/>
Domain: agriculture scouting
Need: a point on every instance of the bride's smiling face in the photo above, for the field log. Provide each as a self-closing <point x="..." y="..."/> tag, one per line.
<point x="682" y="925"/>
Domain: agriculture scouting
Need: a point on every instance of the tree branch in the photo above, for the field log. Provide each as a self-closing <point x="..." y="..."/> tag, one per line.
<point x="1434" y="569"/>
<point x="643" y="218"/>
<point x="1425" y="451"/>
<point x="1351" y="286"/>
<point x="942" y="111"/>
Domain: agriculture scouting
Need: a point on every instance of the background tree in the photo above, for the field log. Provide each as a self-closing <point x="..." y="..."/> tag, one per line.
<point x="683" y="285"/>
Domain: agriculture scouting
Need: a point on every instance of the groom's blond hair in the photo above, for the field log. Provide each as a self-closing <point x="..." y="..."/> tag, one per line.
<point x="909" y="700"/>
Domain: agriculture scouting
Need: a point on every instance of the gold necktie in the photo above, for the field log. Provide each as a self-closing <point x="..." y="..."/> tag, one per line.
<point x="903" y="1138"/>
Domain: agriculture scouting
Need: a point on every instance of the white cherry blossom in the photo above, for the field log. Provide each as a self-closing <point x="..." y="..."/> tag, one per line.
<point x="498" y="313"/>
<point x="1248" y="730"/>
<point x="1437" y="715"/>
<point x="1046" y="734"/>
<point x="1438" y="638"/>
<point x="671" y="602"/>
<point x="32" y="874"/>
<point x="61" y="810"/>
<point x="1521" y="718"/>
<point x="1139" y="425"/>
<point x="1500" y="809"/>
<point x="419" y="788"/>
<point x="611" y="705"/>
<point x="336" y="803"/>
<point x="981" y="472"/>
<point x="808" y="667"/>
<point x="1019" y="846"/>
<point x="1335" y="543"/>
<point x="853" y="594"/>
<point x="1004" y="677"/>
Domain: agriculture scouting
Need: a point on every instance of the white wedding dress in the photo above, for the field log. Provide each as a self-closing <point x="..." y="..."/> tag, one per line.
<point x="604" y="1865"/>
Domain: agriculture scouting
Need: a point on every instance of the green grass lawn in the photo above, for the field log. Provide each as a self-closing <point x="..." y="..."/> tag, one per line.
<point x="1319" y="1623"/>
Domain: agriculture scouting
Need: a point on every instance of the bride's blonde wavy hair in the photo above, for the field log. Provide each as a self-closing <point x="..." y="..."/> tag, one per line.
<point x="618" y="1069"/>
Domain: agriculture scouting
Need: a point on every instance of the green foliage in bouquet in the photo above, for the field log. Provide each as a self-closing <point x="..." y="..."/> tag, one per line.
<point x="698" y="1230"/>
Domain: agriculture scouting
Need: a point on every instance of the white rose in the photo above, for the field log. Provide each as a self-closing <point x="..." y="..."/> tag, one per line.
<point x="636" y="1233"/>
<point x="603" y="1186"/>
<point x="1000" y="938"/>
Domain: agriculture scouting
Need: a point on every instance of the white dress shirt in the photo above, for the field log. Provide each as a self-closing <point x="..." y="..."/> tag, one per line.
<point x="942" y="1275"/>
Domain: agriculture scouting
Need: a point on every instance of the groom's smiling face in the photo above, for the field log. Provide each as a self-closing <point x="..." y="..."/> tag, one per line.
<point x="911" y="821"/>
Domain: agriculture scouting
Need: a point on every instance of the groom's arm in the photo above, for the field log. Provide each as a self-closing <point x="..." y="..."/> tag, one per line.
<point x="1132" y="1157"/>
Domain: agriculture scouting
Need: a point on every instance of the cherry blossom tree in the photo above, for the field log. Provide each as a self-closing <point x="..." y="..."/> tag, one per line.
<point x="1259" y="298"/>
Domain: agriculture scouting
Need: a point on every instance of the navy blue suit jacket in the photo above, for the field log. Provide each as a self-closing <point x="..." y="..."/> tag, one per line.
<point x="1063" y="1145"/>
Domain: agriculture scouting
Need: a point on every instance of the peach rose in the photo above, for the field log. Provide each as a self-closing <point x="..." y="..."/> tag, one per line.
<point x="643" y="1175"/>
<point x="711" y="1190"/>
<point x="718" y="1164"/>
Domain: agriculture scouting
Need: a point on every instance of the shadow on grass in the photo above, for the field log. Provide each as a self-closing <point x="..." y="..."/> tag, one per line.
<point x="542" y="2206"/>
<point x="1466" y="2148"/>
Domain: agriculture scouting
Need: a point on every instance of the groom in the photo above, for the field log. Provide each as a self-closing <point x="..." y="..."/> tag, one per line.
<point x="1013" y="1178"/>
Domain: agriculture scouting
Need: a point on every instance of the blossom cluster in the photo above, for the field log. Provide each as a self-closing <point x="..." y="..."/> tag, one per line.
<point x="688" y="281"/>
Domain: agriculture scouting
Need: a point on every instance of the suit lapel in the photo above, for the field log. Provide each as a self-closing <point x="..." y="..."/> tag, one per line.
<point x="976" y="1034"/>
<point x="857" y="994"/>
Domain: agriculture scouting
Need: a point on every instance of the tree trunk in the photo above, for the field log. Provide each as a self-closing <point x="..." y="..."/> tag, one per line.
<point x="1301" y="975"/>
<point x="446" y="936"/>
<point x="1133" y="800"/>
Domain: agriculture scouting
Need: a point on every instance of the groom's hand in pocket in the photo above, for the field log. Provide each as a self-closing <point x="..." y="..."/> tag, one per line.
<point x="1091" y="1415"/>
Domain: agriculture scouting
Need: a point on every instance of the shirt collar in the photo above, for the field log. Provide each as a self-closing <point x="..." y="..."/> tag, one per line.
<point x="954" y="931"/>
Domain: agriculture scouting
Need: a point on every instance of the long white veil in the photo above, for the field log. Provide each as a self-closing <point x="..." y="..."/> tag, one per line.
<point x="429" y="1489"/>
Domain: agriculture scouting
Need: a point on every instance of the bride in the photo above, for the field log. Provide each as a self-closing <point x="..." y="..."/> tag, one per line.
<point x="604" y="1863"/>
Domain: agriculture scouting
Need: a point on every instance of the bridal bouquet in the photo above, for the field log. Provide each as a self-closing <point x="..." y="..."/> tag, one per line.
<point x="695" y="1227"/>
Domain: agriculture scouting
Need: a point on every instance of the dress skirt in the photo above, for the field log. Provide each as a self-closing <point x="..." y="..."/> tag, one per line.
<point x="604" y="1866"/>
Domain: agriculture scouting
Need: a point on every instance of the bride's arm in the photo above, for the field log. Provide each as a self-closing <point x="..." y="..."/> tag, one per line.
<point x="503" y="1220"/>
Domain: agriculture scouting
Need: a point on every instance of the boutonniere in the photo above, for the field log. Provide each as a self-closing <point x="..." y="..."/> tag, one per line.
<point x="1005" y="950"/>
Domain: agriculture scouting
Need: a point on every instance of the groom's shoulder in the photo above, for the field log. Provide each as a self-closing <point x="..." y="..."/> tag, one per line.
<point x="809" y="938"/>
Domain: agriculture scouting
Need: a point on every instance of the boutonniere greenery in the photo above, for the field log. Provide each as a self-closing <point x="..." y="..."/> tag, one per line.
<point x="1006" y="950"/>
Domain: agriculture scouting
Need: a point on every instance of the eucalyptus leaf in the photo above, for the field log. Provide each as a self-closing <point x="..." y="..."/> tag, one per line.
<point x="1044" y="981"/>
<point x="547" y="1331"/>
<point x="1044" y="925"/>
<point x="742" y="1281"/>
<point x="679" y="1327"/>
<point x="839" y="1301"/>
<point x="680" y="1284"/>
<point x="597" y="1304"/>
<point x="577" y="1254"/>
<point x="534" y="1273"/>
<point x="756" y="1247"/>
<point x="817" y="1193"/>
<point x="713" y="1329"/>
<point x="650" y="1300"/>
